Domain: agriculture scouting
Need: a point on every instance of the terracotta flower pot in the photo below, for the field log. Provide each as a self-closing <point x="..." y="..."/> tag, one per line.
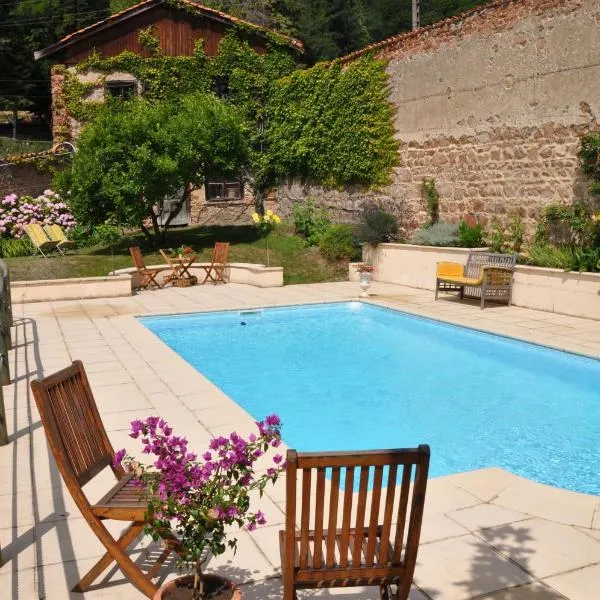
<point x="162" y="593"/>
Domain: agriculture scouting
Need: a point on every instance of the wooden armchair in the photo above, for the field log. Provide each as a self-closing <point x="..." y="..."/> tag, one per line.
<point x="486" y="275"/>
<point x="377" y="547"/>
<point x="82" y="450"/>
<point x="148" y="275"/>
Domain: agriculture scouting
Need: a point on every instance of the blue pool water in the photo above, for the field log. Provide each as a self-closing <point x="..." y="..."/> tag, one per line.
<point x="354" y="376"/>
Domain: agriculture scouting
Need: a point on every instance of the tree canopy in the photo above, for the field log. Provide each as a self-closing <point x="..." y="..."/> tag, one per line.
<point x="134" y="155"/>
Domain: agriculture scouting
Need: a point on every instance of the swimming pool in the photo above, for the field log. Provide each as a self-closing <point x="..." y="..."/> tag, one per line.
<point x="356" y="376"/>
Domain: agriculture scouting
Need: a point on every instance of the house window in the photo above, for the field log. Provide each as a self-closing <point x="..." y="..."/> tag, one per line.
<point x="221" y="87"/>
<point x="224" y="191"/>
<point x="124" y="90"/>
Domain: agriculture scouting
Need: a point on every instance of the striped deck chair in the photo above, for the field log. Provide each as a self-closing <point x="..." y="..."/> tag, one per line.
<point x="41" y="242"/>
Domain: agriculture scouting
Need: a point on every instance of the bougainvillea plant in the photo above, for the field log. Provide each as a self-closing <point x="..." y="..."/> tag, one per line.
<point x="46" y="209"/>
<point x="200" y="498"/>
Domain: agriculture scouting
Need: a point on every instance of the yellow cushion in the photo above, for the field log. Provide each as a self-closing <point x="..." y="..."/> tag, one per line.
<point x="449" y="269"/>
<point x="472" y="281"/>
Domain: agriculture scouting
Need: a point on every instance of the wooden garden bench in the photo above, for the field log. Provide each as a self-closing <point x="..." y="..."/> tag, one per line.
<point x="82" y="450"/>
<point x="486" y="275"/>
<point x="374" y="547"/>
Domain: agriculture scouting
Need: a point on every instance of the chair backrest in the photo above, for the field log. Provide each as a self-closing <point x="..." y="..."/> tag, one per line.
<point x="72" y="424"/>
<point x="55" y="233"/>
<point x="137" y="257"/>
<point x="220" y="253"/>
<point x="167" y="258"/>
<point x="36" y="234"/>
<point x="380" y="528"/>
<point x="477" y="260"/>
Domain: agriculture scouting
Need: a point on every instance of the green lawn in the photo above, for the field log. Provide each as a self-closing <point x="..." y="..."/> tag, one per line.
<point x="301" y="264"/>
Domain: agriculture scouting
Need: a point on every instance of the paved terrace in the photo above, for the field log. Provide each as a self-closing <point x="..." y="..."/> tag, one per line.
<point x="487" y="534"/>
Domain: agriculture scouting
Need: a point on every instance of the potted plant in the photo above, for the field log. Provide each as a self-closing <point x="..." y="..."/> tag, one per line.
<point x="365" y="271"/>
<point x="200" y="500"/>
<point x="265" y="223"/>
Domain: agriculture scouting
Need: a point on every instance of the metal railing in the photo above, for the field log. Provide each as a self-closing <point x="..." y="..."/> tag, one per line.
<point x="6" y="322"/>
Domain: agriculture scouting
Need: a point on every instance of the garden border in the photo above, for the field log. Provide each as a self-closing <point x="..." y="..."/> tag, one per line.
<point x="539" y="288"/>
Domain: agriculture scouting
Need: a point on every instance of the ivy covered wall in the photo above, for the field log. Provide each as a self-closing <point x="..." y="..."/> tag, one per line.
<point x="330" y="124"/>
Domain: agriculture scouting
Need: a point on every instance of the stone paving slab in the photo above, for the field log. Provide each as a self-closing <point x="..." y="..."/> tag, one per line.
<point x="486" y="534"/>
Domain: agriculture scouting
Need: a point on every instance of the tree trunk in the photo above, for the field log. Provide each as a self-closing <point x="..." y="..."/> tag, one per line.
<point x="198" y="593"/>
<point x="156" y="228"/>
<point x="15" y="118"/>
<point x="147" y="233"/>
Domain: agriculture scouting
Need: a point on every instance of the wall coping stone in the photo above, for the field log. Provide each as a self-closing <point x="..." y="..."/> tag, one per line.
<point x="69" y="281"/>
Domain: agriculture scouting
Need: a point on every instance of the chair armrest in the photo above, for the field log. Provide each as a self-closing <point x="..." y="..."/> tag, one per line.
<point x="450" y="269"/>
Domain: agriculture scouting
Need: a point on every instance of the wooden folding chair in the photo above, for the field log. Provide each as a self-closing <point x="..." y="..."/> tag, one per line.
<point x="216" y="270"/>
<point x="148" y="275"/>
<point x="82" y="450"/>
<point x="368" y="549"/>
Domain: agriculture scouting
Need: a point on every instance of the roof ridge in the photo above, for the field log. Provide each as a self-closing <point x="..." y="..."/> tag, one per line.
<point x="405" y="35"/>
<point x="174" y="3"/>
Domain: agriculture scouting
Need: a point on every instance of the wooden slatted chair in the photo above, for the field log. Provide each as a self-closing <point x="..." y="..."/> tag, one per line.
<point x="367" y="550"/>
<point x="148" y="275"/>
<point x="216" y="270"/>
<point x="82" y="450"/>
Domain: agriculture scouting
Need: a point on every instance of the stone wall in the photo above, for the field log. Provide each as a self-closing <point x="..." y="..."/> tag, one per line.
<point x="491" y="104"/>
<point x="23" y="179"/>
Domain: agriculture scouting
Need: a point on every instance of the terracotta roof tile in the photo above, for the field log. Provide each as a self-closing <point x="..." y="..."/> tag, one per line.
<point x="397" y="40"/>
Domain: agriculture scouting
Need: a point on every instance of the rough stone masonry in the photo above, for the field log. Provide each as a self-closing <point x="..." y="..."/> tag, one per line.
<point x="491" y="105"/>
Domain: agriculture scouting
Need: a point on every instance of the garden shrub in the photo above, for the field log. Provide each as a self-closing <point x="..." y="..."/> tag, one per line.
<point x="470" y="236"/>
<point x="496" y="239"/>
<point x="311" y="220"/>
<point x="563" y="224"/>
<point x="338" y="243"/>
<point x="46" y="209"/>
<point x="516" y="233"/>
<point x="440" y="234"/>
<point x="589" y="157"/>
<point x="376" y="225"/>
<point x="554" y="257"/>
<point x="12" y="248"/>
<point x="432" y="200"/>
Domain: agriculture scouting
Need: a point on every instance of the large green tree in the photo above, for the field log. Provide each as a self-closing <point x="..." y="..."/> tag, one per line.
<point x="27" y="26"/>
<point x="135" y="154"/>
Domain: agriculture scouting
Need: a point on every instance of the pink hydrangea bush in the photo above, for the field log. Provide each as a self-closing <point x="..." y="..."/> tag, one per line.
<point x="46" y="209"/>
<point x="199" y="497"/>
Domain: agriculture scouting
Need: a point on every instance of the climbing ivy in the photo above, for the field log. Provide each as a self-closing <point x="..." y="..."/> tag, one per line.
<point x="589" y="157"/>
<point x="332" y="125"/>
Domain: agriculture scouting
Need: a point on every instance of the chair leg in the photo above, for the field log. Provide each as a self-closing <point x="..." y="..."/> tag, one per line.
<point x="384" y="592"/>
<point x="130" y="534"/>
<point x="437" y="289"/>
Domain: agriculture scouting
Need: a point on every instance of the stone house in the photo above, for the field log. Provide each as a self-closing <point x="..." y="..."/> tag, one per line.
<point x="176" y="25"/>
